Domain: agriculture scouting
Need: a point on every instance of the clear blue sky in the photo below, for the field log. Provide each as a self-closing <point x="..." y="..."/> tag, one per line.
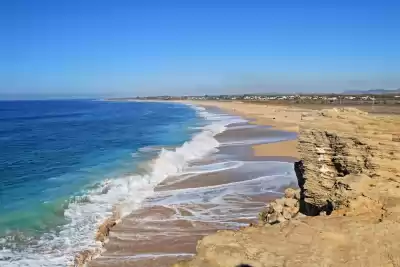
<point x="98" y="47"/>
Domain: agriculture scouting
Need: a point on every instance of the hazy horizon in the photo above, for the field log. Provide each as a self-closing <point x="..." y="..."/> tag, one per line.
<point x="132" y="48"/>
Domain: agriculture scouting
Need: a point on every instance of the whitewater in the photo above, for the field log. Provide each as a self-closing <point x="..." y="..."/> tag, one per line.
<point x="113" y="196"/>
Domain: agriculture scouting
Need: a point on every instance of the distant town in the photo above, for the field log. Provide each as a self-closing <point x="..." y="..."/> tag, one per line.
<point x="382" y="99"/>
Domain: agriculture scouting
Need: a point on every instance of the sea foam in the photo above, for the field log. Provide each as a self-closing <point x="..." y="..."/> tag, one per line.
<point x="115" y="196"/>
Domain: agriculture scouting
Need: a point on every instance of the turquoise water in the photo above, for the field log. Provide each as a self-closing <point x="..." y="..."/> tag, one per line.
<point x="65" y="164"/>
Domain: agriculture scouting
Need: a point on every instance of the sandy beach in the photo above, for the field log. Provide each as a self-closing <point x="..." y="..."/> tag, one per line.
<point x="225" y="190"/>
<point x="283" y="118"/>
<point x="349" y="195"/>
<point x="259" y="154"/>
<point x="200" y="134"/>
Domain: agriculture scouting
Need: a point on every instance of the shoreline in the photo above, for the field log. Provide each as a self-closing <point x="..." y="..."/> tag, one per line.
<point x="258" y="150"/>
<point x="349" y="176"/>
<point x="360" y="209"/>
<point x="282" y="118"/>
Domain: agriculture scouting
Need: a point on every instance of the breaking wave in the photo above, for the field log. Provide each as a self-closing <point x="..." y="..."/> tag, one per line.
<point x="118" y="195"/>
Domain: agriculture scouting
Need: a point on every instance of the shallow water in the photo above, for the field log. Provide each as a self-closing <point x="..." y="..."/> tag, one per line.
<point x="223" y="190"/>
<point x="64" y="165"/>
<point x="172" y="172"/>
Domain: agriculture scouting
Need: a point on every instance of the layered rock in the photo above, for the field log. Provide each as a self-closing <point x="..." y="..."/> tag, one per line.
<point x="348" y="159"/>
<point x="350" y="170"/>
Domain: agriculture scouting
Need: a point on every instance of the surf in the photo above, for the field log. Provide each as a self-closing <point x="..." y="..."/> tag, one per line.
<point x="115" y="195"/>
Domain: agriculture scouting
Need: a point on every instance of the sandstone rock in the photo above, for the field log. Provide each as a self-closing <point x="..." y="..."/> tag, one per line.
<point x="286" y="213"/>
<point x="280" y="218"/>
<point x="341" y="159"/>
<point x="281" y="209"/>
<point x="350" y="170"/>
<point x="275" y="207"/>
<point x="291" y="202"/>
<point x="279" y="201"/>
<point x="104" y="229"/>
<point x="82" y="258"/>
<point x="290" y="193"/>
<point x="312" y="242"/>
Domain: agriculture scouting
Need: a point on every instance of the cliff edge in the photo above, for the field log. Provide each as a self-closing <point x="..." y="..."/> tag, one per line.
<point x="347" y="212"/>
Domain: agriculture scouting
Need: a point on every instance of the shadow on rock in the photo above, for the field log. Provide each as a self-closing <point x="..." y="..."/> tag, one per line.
<point x="307" y="208"/>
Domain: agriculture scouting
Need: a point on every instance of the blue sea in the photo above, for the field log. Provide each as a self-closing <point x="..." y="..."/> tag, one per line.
<point x="66" y="166"/>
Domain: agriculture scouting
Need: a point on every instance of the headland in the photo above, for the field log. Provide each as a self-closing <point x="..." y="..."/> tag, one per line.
<point x="343" y="210"/>
<point x="346" y="211"/>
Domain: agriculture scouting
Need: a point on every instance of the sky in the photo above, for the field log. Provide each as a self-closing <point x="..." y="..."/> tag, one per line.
<point x="128" y="48"/>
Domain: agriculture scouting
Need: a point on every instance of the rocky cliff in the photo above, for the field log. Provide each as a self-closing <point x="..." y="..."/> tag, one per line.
<point x="350" y="162"/>
<point x="349" y="201"/>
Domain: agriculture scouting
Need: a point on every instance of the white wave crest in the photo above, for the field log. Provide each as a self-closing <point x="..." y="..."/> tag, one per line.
<point x="120" y="195"/>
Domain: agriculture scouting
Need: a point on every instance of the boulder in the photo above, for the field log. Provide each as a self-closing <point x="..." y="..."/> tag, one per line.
<point x="281" y="209"/>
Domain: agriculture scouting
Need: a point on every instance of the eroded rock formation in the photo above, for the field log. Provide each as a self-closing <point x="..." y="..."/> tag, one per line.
<point x="349" y="161"/>
<point x="281" y="209"/>
<point x="82" y="258"/>
<point x="350" y="170"/>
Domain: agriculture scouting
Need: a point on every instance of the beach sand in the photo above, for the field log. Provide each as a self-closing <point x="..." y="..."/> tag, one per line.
<point x="280" y="117"/>
<point x="349" y="196"/>
<point x="279" y="149"/>
<point x="283" y="118"/>
<point x="226" y="190"/>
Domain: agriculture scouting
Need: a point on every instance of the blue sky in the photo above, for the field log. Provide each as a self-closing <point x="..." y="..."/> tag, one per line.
<point x="98" y="47"/>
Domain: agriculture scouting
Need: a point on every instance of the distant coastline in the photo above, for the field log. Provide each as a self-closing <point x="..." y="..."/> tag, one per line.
<point x="352" y="98"/>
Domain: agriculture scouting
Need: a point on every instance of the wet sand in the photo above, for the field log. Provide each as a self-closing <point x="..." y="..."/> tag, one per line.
<point x="278" y="117"/>
<point x="285" y="118"/>
<point x="225" y="190"/>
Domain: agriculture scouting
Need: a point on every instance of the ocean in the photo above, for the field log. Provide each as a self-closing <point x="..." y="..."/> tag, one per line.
<point x="172" y="172"/>
<point x="64" y="166"/>
<point x="224" y="188"/>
